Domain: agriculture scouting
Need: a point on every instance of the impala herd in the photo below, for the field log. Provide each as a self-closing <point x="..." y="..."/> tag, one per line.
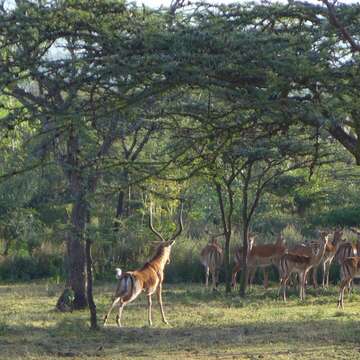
<point x="297" y="260"/>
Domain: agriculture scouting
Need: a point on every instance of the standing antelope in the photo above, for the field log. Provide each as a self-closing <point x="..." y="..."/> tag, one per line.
<point x="301" y="264"/>
<point x="345" y="249"/>
<point x="266" y="255"/>
<point x="349" y="268"/>
<point x="238" y="259"/>
<point x="149" y="278"/>
<point x="329" y="256"/>
<point x="211" y="256"/>
<point x="306" y="249"/>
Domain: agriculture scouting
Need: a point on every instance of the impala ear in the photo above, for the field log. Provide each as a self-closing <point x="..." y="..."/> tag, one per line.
<point x="172" y="243"/>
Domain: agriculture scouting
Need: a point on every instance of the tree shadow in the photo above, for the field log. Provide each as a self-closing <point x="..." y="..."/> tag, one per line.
<point x="72" y="338"/>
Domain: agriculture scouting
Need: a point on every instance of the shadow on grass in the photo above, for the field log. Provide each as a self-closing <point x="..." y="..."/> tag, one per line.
<point x="256" y="295"/>
<point x="72" y="338"/>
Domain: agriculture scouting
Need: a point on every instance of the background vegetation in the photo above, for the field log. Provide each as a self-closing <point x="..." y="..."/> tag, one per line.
<point x="247" y="112"/>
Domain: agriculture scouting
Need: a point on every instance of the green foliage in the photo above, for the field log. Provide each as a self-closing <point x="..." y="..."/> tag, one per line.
<point x="342" y="216"/>
<point x="15" y="268"/>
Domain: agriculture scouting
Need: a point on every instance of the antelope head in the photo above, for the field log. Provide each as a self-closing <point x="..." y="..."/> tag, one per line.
<point x="166" y="245"/>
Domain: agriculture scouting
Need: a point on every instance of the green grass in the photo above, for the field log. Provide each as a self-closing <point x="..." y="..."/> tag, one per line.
<point x="203" y="325"/>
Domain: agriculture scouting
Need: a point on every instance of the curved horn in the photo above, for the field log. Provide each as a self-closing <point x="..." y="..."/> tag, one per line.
<point x="152" y="227"/>
<point x="181" y="225"/>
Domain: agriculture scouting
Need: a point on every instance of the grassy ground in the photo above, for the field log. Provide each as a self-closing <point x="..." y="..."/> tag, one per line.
<point x="203" y="325"/>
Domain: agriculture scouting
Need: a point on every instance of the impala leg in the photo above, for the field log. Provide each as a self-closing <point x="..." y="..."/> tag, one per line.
<point x="149" y="309"/>
<point x="217" y="277"/>
<point x="280" y="287"/>
<point x="207" y="270"/>
<point x="250" y="276"/>
<point x="266" y="278"/>
<point x="303" y="285"/>
<point x="314" y="277"/>
<point x="118" y="316"/>
<point x="213" y="278"/>
<point x="350" y="286"/>
<point x="343" y="285"/>
<point x="328" y="274"/>
<point x="115" y="303"/>
<point x="234" y="275"/>
<point x="284" y="281"/>
<point x="284" y="288"/>
<point x="324" y="274"/>
<point x="159" y="296"/>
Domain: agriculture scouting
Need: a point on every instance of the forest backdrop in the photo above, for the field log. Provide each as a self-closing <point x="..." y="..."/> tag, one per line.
<point x="248" y="113"/>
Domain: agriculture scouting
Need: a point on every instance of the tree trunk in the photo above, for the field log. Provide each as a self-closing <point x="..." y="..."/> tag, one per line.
<point x="227" y="263"/>
<point x="92" y="306"/>
<point x="226" y="222"/>
<point x="244" y="273"/>
<point x="76" y="249"/>
<point x="119" y="209"/>
<point x="77" y="253"/>
<point x="123" y="202"/>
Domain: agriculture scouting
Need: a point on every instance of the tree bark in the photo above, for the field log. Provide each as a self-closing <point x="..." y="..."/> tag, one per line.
<point x="77" y="253"/>
<point x="226" y="221"/>
<point x="245" y="222"/>
<point x="76" y="249"/>
<point x="90" y="298"/>
<point x="244" y="273"/>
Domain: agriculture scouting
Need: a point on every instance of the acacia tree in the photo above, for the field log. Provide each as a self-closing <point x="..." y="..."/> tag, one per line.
<point x="69" y="76"/>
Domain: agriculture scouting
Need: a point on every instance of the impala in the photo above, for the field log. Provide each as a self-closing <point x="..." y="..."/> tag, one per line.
<point x="306" y="249"/>
<point x="211" y="256"/>
<point x="345" y="249"/>
<point x="266" y="255"/>
<point x="238" y="259"/>
<point x="329" y="255"/>
<point x="149" y="278"/>
<point x="349" y="268"/>
<point x="301" y="264"/>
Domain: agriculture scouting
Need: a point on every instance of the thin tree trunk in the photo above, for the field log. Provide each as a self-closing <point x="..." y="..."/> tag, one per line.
<point x="244" y="273"/>
<point x="77" y="254"/>
<point x="245" y="222"/>
<point x="227" y="263"/>
<point x="90" y="298"/>
<point x="119" y="209"/>
<point x="226" y="221"/>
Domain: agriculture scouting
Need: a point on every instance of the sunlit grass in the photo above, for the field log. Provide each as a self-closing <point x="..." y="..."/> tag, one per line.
<point x="203" y="324"/>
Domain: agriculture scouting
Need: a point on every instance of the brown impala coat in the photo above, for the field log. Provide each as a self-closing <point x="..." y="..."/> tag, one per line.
<point x="300" y="264"/>
<point x="211" y="256"/>
<point x="266" y="255"/>
<point x="349" y="268"/>
<point x="149" y="279"/>
<point x="238" y="259"/>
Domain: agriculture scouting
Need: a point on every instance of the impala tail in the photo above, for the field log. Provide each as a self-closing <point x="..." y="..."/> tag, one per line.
<point x="125" y="286"/>
<point x="118" y="273"/>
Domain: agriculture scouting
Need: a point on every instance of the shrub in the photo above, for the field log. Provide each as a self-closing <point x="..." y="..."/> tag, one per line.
<point x="24" y="268"/>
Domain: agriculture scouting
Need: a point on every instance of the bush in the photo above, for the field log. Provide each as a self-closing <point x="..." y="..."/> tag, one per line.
<point x="24" y="268"/>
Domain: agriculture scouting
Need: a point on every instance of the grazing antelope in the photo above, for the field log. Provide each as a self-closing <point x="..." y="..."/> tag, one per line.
<point x="149" y="278"/>
<point x="211" y="256"/>
<point x="238" y="259"/>
<point x="349" y="268"/>
<point x="266" y="255"/>
<point x="301" y="264"/>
